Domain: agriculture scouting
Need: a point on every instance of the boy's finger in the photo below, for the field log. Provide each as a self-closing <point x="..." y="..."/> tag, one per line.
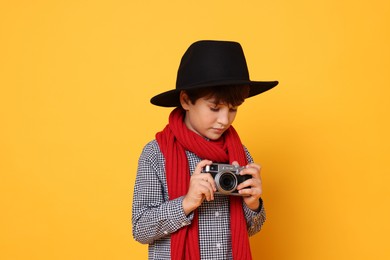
<point x="254" y="165"/>
<point x="201" y="165"/>
<point x="235" y="163"/>
<point x="210" y="192"/>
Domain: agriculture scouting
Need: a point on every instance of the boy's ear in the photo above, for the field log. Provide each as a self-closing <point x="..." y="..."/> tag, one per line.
<point x="184" y="100"/>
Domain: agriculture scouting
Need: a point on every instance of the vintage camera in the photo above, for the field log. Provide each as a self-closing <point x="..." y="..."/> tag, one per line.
<point x="226" y="177"/>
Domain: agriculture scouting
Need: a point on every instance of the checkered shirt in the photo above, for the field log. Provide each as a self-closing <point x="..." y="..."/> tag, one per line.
<point x="155" y="217"/>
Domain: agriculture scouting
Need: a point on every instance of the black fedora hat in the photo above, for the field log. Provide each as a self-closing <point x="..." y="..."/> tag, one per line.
<point x="211" y="63"/>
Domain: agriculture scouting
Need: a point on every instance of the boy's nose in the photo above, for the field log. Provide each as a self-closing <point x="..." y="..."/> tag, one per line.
<point x="223" y="118"/>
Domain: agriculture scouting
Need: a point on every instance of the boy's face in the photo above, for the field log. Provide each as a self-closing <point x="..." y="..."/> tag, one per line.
<point x="207" y="118"/>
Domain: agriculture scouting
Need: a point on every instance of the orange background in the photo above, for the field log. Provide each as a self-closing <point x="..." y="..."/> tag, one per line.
<point x="75" y="82"/>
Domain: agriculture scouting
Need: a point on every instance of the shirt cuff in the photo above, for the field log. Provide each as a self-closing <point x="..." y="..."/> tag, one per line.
<point x="252" y="213"/>
<point x="178" y="217"/>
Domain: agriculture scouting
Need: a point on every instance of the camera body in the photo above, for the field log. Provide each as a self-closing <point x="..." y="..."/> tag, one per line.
<point x="227" y="177"/>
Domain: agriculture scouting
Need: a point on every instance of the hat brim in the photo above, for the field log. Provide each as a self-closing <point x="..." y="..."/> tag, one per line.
<point x="171" y="98"/>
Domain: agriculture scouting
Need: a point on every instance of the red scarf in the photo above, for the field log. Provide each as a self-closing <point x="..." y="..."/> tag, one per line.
<point x="174" y="140"/>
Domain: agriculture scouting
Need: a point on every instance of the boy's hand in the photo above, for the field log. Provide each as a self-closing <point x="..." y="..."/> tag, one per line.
<point x="253" y="193"/>
<point x="202" y="186"/>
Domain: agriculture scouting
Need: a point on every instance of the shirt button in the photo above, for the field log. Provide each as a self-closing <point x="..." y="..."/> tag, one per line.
<point x="165" y="232"/>
<point x="218" y="245"/>
<point x="217" y="214"/>
<point x="184" y="224"/>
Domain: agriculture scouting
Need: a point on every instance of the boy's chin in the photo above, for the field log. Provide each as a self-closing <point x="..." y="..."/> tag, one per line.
<point x="213" y="137"/>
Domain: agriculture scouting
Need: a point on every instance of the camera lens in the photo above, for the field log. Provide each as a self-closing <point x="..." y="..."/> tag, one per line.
<point x="226" y="182"/>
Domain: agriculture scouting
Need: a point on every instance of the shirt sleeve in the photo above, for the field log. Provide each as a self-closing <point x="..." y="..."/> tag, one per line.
<point x="153" y="215"/>
<point x="254" y="219"/>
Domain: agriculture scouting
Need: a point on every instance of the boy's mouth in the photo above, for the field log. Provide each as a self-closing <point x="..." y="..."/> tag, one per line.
<point x="218" y="130"/>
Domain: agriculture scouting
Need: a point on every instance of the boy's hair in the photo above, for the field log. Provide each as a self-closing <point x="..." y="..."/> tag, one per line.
<point x="231" y="95"/>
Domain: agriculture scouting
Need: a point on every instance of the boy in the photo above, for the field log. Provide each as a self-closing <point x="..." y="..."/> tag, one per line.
<point x="176" y="207"/>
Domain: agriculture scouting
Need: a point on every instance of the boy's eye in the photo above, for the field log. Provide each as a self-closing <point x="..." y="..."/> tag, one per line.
<point x="216" y="109"/>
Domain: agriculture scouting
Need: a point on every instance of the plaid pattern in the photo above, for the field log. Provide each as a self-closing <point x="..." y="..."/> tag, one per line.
<point x="155" y="217"/>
